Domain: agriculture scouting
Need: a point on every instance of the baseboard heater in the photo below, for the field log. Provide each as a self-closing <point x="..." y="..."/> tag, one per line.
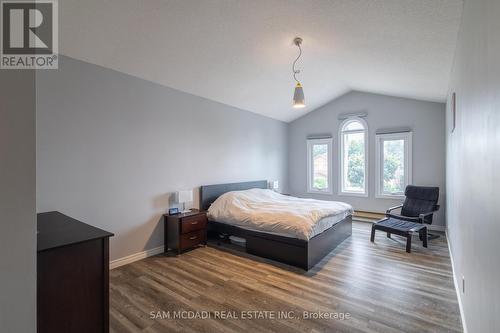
<point x="367" y="216"/>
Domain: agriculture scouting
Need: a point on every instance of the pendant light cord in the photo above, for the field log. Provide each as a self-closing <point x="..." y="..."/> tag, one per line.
<point x="296" y="71"/>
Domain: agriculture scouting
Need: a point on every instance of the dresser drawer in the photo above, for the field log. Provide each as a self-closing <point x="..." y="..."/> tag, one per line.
<point x="192" y="239"/>
<point x="193" y="223"/>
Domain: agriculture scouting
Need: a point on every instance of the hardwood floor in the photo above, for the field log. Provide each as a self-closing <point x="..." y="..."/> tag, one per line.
<point x="381" y="287"/>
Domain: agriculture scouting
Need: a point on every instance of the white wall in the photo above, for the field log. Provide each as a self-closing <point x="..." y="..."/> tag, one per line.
<point x="473" y="165"/>
<point x="112" y="149"/>
<point x="17" y="202"/>
<point x="426" y="119"/>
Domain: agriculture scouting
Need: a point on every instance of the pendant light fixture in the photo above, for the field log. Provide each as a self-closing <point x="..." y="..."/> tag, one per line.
<point x="298" y="95"/>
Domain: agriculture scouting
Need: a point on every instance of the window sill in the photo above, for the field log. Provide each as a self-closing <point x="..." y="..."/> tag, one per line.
<point x="353" y="194"/>
<point x="390" y="196"/>
<point x="320" y="192"/>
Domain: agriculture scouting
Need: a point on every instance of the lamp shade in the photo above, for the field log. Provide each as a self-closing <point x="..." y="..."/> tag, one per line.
<point x="298" y="97"/>
<point x="185" y="196"/>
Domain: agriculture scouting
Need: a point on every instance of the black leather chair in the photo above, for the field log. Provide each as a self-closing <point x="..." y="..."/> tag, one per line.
<point x="417" y="210"/>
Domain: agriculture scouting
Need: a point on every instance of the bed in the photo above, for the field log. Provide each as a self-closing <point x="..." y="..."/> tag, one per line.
<point x="290" y="248"/>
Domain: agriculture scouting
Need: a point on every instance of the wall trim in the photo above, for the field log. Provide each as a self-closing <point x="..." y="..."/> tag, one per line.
<point x="457" y="289"/>
<point x="436" y="227"/>
<point x="135" y="257"/>
<point x="362" y="219"/>
<point x="160" y="249"/>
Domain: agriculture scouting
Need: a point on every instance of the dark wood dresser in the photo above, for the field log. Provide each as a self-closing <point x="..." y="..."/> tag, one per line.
<point x="185" y="231"/>
<point x="72" y="275"/>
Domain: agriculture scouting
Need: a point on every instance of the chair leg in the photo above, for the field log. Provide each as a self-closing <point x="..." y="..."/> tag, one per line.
<point x="408" y="243"/>
<point x="424" y="235"/>
<point x="388" y="235"/>
<point x="372" y="237"/>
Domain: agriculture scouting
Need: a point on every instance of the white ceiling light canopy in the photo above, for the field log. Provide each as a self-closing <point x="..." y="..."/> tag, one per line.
<point x="298" y="95"/>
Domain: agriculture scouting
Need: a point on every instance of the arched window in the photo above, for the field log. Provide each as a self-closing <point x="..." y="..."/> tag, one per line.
<point x="353" y="139"/>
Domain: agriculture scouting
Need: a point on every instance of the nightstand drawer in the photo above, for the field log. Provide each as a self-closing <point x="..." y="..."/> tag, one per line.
<point x="186" y="230"/>
<point x="193" y="223"/>
<point x="192" y="239"/>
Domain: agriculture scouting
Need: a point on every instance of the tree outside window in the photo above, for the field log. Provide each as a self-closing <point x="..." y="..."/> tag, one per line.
<point x="320" y="167"/>
<point x="394" y="169"/>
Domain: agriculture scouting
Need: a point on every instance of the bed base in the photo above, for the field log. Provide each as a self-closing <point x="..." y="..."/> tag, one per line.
<point x="292" y="251"/>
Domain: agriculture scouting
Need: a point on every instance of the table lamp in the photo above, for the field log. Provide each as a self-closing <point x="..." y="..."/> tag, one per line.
<point x="183" y="197"/>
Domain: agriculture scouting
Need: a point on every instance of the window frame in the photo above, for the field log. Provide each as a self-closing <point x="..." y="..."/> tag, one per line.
<point x="408" y="146"/>
<point x="341" y="190"/>
<point x="310" y="144"/>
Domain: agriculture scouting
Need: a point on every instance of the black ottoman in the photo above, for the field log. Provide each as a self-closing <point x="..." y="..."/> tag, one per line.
<point x="401" y="228"/>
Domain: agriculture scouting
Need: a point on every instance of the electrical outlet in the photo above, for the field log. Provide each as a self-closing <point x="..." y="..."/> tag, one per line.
<point x="463" y="284"/>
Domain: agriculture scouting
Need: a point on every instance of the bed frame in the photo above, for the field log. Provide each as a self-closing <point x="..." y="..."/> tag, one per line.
<point x="292" y="251"/>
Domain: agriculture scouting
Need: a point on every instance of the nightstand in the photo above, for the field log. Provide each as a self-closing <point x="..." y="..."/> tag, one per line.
<point x="185" y="231"/>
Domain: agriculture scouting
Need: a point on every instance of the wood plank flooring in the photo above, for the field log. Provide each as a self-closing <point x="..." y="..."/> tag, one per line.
<point x="381" y="287"/>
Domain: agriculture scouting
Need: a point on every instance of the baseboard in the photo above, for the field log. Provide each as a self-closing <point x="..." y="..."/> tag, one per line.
<point x="134" y="257"/>
<point x="457" y="288"/>
<point x="441" y="228"/>
<point x="362" y="219"/>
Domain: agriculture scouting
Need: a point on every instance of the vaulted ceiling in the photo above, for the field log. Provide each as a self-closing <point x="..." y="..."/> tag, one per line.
<point x="240" y="52"/>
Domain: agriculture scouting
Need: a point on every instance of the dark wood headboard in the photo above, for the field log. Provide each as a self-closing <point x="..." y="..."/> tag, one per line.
<point x="209" y="193"/>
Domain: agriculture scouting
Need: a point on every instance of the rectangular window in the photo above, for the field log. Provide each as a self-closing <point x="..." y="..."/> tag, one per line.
<point x="319" y="154"/>
<point x="394" y="159"/>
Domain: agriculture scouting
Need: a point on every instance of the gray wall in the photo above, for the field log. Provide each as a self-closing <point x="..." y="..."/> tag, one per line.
<point x="427" y="120"/>
<point x="111" y="148"/>
<point x="17" y="202"/>
<point x="473" y="165"/>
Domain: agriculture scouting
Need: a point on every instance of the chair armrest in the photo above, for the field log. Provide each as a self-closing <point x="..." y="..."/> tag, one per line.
<point x="393" y="208"/>
<point x="422" y="217"/>
<point x="404" y="218"/>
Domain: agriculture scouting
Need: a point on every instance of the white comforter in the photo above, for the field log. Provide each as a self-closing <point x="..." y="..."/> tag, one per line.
<point x="268" y="211"/>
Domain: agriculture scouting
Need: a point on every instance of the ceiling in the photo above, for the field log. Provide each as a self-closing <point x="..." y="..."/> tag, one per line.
<point x="240" y="52"/>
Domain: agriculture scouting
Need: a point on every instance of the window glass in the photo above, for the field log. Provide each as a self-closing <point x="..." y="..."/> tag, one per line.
<point x="394" y="166"/>
<point x="354" y="125"/>
<point x="320" y="166"/>
<point x="354" y="162"/>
